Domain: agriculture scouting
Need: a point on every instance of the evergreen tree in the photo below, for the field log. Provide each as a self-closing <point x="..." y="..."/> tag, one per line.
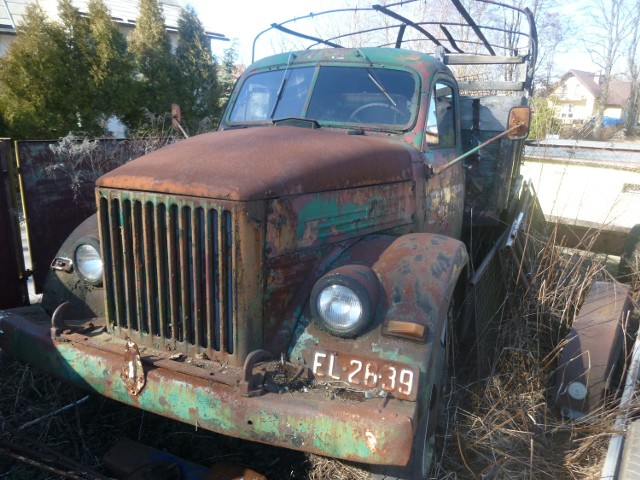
<point x="78" y="51"/>
<point x="153" y="62"/>
<point x="229" y="73"/>
<point x="71" y="76"/>
<point x="62" y="77"/>
<point x="110" y="64"/>
<point x="196" y="80"/>
<point x="34" y="80"/>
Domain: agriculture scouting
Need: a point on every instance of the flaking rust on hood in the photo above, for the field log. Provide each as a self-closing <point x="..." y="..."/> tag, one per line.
<point x="265" y="162"/>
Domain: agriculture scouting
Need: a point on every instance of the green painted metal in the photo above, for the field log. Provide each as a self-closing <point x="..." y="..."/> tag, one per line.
<point x="304" y="420"/>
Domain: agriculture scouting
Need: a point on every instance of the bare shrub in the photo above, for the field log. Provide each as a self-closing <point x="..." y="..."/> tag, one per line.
<point x="83" y="160"/>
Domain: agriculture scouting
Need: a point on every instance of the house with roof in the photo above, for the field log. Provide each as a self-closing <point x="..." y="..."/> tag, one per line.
<point x="123" y="12"/>
<point x="575" y="95"/>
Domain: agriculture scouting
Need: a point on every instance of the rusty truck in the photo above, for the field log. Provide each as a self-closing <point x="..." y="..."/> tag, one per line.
<point x="296" y="277"/>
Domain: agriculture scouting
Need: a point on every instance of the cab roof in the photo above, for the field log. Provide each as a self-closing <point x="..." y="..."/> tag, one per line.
<point x="421" y="62"/>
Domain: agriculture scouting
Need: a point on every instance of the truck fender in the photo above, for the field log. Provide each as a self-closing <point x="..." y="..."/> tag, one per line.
<point x="63" y="284"/>
<point x="419" y="273"/>
<point x="593" y="349"/>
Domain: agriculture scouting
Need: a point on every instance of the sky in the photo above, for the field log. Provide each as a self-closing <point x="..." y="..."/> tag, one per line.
<point x="242" y="20"/>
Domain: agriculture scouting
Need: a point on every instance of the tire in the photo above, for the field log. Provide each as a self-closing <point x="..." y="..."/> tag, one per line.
<point x="422" y="452"/>
<point x="630" y="258"/>
<point x="630" y="461"/>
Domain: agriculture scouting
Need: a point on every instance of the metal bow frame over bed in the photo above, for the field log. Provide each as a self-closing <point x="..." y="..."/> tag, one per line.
<point x="508" y="37"/>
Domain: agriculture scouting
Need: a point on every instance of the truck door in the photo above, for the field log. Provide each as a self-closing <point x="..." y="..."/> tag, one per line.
<point x="444" y="191"/>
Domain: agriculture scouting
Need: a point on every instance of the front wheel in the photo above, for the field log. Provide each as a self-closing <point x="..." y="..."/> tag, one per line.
<point x="422" y="453"/>
<point x="423" y="448"/>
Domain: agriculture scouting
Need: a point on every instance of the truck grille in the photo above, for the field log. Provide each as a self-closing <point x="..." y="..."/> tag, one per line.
<point x="168" y="271"/>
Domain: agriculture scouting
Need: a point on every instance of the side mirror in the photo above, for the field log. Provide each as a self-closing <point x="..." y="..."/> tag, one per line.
<point x="519" y="123"/>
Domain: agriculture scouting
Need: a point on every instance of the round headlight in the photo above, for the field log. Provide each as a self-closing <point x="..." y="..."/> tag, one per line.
<point x="340" y="307"/>
<point x="344" y="299"/>
<point x="88" y="263"/>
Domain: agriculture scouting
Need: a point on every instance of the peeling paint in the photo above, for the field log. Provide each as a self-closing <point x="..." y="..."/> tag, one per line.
<point x="372" y="441"/>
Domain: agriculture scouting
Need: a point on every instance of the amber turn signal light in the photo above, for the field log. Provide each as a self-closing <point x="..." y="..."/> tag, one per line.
<point x="407" y="329"/>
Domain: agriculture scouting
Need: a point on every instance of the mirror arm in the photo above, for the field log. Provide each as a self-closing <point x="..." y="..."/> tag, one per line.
<point x="436" y="171"/>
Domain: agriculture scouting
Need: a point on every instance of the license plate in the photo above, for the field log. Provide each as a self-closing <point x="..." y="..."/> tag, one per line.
<point x="398" y="379"/>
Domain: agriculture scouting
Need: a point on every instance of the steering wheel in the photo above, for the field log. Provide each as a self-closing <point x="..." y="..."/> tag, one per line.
<point x="354" y="114"/>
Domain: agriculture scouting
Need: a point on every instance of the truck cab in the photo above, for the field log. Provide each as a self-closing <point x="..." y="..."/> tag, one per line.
<point x="400" y="96"/>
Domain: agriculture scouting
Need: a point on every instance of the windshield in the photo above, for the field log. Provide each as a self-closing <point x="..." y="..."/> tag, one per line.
<point x="352" y="95"/>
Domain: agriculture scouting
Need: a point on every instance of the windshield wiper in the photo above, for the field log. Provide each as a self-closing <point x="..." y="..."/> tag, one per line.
<point x="282" y="84"/>
<point x="374" y="79"/>
<point x="381" y="88"/>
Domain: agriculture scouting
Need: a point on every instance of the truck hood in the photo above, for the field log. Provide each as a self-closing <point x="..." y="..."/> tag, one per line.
<point x="265" y="162"/>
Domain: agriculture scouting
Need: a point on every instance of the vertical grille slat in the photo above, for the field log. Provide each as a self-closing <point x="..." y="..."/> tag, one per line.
<point x="221" y="285"/>
<point x="169" y="280"/>
<point x="228" y="280"/>
<point x="197" y="245"/>
<point x="127" y="258"/>
<point x="173" y="272"/>
<point x="107" y="249"/>
<point x="139" y="268"/>
<point x="150" y="270"/>
<point x="185" y="276"/>
<point x="161" y="268"/>
<point x="117" y="281"/>
<point x="213" y="303"/>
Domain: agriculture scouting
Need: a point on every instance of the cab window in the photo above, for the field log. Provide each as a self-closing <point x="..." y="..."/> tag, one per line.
<point x="333" y="95"/>
<point x="441" y="118"/>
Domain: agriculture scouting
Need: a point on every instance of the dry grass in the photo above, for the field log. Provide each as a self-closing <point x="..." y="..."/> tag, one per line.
<point x="502" y="426"/>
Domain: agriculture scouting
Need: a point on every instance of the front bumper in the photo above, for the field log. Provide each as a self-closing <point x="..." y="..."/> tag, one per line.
<point x="375" y="431"/>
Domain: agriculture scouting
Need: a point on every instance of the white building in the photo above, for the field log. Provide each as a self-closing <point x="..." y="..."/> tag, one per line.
<point x="576" y="93"/>
<point x="123" y="12"/>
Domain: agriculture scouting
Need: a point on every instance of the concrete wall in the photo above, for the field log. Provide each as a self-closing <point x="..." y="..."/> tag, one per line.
<point x="583" y="193"/>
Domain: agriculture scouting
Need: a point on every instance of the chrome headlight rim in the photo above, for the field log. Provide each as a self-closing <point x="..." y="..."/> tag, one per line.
<point x="362" y="282"/>
<point x="91" y="274"/>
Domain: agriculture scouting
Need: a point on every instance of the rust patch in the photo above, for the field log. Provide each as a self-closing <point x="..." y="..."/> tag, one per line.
<point x="315" y="219"/>
<point x="132" y="372"/>
<point x="265" y="162"/>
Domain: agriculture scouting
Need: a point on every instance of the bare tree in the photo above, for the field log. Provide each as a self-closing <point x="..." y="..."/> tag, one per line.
<point x="554" y="31"/>
<point x="634" y="70"/>
<point x="610" y="26"/>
